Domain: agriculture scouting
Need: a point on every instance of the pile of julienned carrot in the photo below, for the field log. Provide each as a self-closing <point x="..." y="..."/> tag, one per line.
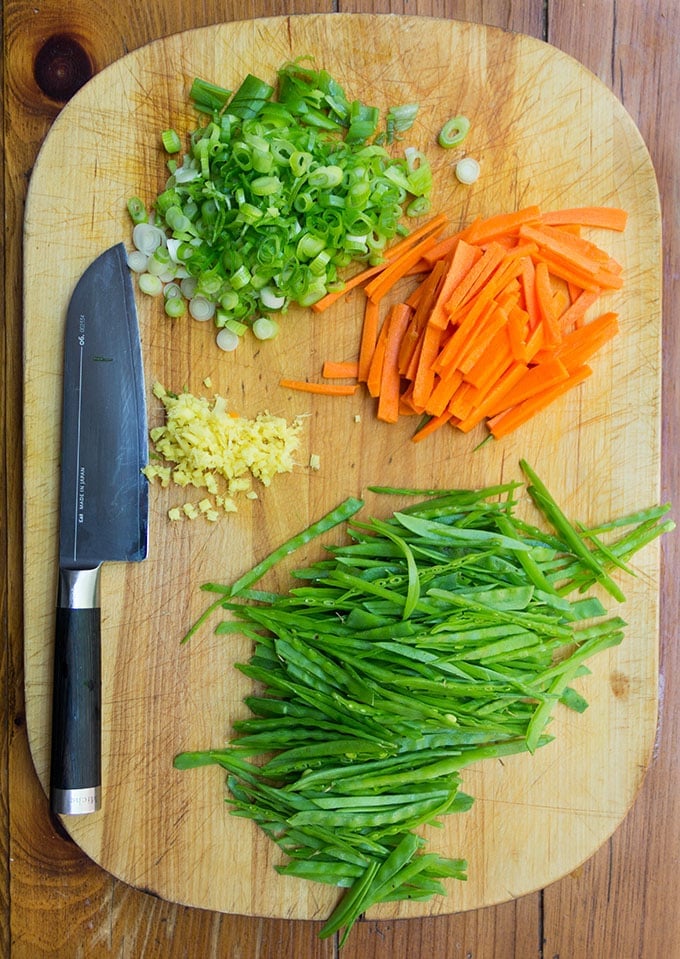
<point x="496" y="327"/>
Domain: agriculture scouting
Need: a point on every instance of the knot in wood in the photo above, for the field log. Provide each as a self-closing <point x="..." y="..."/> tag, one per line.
<point x="61" y="67"/>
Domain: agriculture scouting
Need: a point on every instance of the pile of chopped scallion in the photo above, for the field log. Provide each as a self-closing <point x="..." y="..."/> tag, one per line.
<point x="279" y="191"/>
<point x="437" y="638"/>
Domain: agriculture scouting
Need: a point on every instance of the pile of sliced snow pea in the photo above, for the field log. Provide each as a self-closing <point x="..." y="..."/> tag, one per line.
<point x="436" y="638"/>
<point x="277" y="193"/>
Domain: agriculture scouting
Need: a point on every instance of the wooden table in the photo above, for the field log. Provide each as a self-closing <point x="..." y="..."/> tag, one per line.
<point x="623" y="902"/>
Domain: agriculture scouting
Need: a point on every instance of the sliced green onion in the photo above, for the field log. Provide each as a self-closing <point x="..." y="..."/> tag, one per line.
<point x="159" y="261"/>
<point x="249" y="213"/>
<point x="229" y="300"/>
<point x="419" y="172"/>
<point x="271" y="299"/>
<point x="363" y="122"/>
<point x="150" y="284"/>
<point x="227" y="340"/>
<point x="236" y="327"/>
<point x="178" y="221"/>
<point x="263" y="160"/>
<point x="187" y="173"/>
<point x="453" y="132"/>
<point x="137" y="261"/>
<point x="319" y="265"/>
<point x="400" y="119"/>
<point x="467" y="170"/>
<point x="273" y="198"/>
<point x="300" y="161"/>
<point x="309" y="245"/>
<point x="207" y="96"/>
<point x="175" y="306"/>
<point x="137" y="210"/>
<point x="265" y="185"/>
<point x="265" y="328"/>
<point x="147" y="238"/>
<point x="303" y="202"/>
<point x="241" y="277"/>
<point x="250" y="97"/>
<point x="326" y="177"/>
<point x="188" y="286"/>
<point x="201" y="308"/>
<point x="419" y="206"/>
<point x="171" y="141"/>
<point x="174" y="245"/>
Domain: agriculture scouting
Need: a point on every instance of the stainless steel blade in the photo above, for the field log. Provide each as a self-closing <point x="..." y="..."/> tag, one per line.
<point x="103" y="510"/>
<point x="103" y="504"/>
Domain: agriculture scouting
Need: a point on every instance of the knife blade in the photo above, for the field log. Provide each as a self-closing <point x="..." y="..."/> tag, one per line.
<point x="103" y="510"/>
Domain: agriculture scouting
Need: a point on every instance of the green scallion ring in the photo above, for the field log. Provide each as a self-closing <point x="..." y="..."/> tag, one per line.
<point x="137" y="210"/>
<point x="175" y="306"/>
<point x="453" y="132"/>
<point x="171" y="141"/>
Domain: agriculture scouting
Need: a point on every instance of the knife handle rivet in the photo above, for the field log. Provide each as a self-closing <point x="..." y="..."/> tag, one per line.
<point x="61" y="67"/>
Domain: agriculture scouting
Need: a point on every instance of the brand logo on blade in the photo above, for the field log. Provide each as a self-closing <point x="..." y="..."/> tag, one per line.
<point x="81" y="494"/>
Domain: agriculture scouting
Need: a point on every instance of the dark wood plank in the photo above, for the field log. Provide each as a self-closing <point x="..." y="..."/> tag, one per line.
<point x="512" y="15"/>
<point x="508" y="931"/>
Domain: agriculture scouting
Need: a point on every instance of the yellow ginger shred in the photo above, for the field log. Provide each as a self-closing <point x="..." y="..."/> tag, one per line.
<point x="205" y="444"/>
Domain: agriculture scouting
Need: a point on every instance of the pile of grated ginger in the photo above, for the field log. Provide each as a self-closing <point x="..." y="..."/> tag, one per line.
<point x="206" y="445"/>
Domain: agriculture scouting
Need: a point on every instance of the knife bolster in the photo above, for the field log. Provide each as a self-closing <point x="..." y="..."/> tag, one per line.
<point x="79" y="588"/>
<point x="72" y="802"/>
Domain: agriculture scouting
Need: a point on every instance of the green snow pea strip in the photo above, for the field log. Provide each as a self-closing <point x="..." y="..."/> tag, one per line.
<point x="445" y="535"/>
<point x="335" y="517"/>
<point x="540" y="494"/>
<point x="350" y="909"/>
<point x="413" y="589"/>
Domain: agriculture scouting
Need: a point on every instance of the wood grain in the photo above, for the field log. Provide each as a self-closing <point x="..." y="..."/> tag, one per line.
<point x="586" y="914"/>
<point x="160" y="698"/>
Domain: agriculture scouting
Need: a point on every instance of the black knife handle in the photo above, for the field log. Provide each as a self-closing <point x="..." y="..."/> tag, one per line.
<point x="75" y="765"/>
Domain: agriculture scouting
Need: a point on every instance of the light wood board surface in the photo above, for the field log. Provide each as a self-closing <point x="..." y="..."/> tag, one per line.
<point x="545" y="131"/>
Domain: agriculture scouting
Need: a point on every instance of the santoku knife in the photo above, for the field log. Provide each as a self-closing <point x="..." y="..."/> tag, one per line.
<point x="103" y="514"/>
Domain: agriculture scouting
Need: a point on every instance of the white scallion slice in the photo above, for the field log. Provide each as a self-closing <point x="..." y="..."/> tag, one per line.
<point x="227" y="340"/>
<point x="172" y="291"/>
<point x="147" y="238"/>
<point x="270" y="299"/>
<point x="173" y="247"/>
<point x="188" y="286"/>
<point x="137" y="261"/>
<point x="175" y="306"/>
<point x="201" y="308"/>
<point x="159" y="261"/>
<point x="467" y="170"/>
<point x="264" y="328"/>
<point x="187" y="172"/>
<point x="150" y="284"/>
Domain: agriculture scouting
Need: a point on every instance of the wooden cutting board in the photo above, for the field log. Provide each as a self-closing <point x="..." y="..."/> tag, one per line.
<point x="545" y="131"/>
